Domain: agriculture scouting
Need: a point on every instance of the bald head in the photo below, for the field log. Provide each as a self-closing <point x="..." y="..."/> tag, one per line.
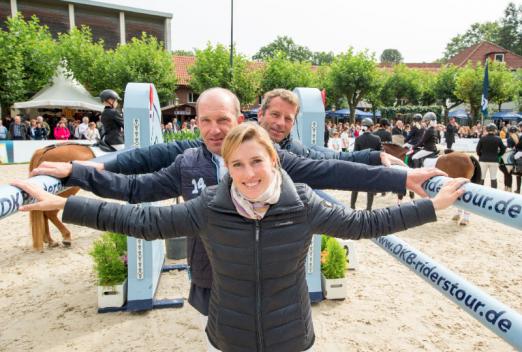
<point x="217" y="111"/>
<point x="222" y="96"/>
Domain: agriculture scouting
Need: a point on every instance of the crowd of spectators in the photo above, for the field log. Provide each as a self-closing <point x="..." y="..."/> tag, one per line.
<point x="338" y="133"/>
<point x="50" y="127"/>
<point x="176" y="125"/>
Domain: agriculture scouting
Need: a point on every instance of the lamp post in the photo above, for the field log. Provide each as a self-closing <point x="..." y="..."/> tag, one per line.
<point x="231" y="40"/>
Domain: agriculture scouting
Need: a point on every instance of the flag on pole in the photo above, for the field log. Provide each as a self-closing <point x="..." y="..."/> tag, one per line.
<point x="485" y="89"/>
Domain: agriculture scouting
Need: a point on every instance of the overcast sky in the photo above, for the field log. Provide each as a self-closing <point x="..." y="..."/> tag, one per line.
<point x="419" y="29"/>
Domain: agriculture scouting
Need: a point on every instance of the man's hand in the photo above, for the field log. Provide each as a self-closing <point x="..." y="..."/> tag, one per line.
<point x="416" y="177"/>
<point x="388" y="160"/>
<point x="61" y="169"/>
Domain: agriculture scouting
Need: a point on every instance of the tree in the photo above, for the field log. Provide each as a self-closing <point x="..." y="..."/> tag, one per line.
<point x="28" y="59"/>
<point x="88" y="61"/>
<point x="212" y="69"/>
<point x="402" y="87"/>
<point x="477" y="33"/>
<point x="391" y="56"/>
<point x="286" y="45"/>
<point x="280" y="72"/>
<point x="181" y="52"/>
<point x="468" y="87"/>
<point x="322" y="58"/>
<point x="144" y="59"/>
<point x="502" y="84"/>
<point x="426" y="81"/>
<point x="354" y="76"/>
<point x="444" y="89"/>
<point x="510" y="33"/>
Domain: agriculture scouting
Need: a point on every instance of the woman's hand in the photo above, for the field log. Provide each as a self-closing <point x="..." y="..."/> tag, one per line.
<point x="449" y="193"/>
<point x="45" y="200"/>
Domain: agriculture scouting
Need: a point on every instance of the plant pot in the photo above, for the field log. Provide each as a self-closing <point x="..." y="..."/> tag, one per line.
<point x="176" y="248"/>
<point x="112" y="296"/>
<point x="334" y="288"/>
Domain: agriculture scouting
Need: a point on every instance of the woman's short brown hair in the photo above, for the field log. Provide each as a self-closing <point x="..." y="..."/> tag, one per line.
<point x="246" y="132"/>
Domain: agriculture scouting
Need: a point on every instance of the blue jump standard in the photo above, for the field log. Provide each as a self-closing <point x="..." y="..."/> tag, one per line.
<point x="147" y="304"/>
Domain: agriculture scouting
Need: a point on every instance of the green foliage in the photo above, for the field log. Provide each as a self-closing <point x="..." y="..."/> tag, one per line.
<point x="212" y="69"/>
<point x="145" y="60"/>
<point x="320" y="58"/>
<point x="285" y="45"/>
<point x="141" y="60"/>
<point x="391" y="56"/>
<point x="335" y="261"/>
<point x="293" y="52"/>
<point x="28" y="59"/>
<point x="280" y="72"/>
<point x="353" y="76"/>
<point x="181" y="52"/>
<point x="510" y="33"/>
<point x="477" y="33"/>
<point x="506" y="32"/>
<point x="88" y="61"/>
<point x="110" y="258"/>
<point x="180" y="136"/>
<point x="502" y="84"/>
<point x="468" y="87"/>
<point x="444" y="88"/>
<point x="402" y="87"/>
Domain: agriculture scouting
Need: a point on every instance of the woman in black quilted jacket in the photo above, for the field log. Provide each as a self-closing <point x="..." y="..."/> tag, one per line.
<point x="256" y="227"/>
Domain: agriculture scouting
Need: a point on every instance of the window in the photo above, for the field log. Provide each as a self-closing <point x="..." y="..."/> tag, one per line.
<point x="499" y="57"/>
<point x="192" y="97"/>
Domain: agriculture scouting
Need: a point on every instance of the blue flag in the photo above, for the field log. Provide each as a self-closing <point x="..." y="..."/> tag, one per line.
<point x="485" y="89"/>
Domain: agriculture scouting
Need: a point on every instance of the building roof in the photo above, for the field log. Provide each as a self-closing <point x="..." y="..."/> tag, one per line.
<point x="181" y="64"/>
<point x="479" y="52"/>
<point x="119" y="7"/>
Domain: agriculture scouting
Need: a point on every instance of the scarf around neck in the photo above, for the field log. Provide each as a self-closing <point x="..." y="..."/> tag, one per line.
<point x="256" y="208"/>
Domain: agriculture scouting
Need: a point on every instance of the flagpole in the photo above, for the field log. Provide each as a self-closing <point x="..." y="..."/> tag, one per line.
<point x="485" y="91"/>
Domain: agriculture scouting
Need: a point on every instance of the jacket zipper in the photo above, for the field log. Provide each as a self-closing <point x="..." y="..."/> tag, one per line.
<point x="258" y="290"/>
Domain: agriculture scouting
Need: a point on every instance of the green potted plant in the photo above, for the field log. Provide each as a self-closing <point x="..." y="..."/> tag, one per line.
<point x="110" y="264"/>
<point x="333" y="267"/>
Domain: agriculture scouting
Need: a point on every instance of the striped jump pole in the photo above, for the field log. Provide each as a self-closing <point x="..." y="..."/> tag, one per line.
<point x="12" y="198"/>
<point x="493" y="314"/>
<point x="494" y="204"/>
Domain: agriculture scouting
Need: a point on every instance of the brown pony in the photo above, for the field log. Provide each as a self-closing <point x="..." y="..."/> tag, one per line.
<point x="455" y="164"/>
<point x="39" y="219"/>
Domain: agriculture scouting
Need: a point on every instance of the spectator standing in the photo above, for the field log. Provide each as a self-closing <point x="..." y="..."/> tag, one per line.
<point x="4" y="133"/>
<point x="92" y="134"/>
<point x="382" y="131"/>
<point x="489" y="148"/>
<point x="18" y="130"/>
<point x="45" y="125"/>
<point x="61" y="132"/>
<point x="335" y="142"/>
<point x="398" y="133"/>
<point x="345" y="139"/>
<point x="451" y="130"/>
<point x="367" y="140"/>
<point x="79" y="132"/>
<point x="39" y="132"/>
<point x="31" y="129"/>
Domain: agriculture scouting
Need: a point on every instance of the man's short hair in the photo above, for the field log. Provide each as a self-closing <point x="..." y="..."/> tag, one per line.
<point x="224" y="91"/>
<point x="284" y="94"/>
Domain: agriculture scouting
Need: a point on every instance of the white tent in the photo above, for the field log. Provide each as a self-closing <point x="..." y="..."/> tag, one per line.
<point x="63" y="92"/>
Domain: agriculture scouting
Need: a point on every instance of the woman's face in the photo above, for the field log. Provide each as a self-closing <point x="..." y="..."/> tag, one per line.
<point x="251" y="168"/>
